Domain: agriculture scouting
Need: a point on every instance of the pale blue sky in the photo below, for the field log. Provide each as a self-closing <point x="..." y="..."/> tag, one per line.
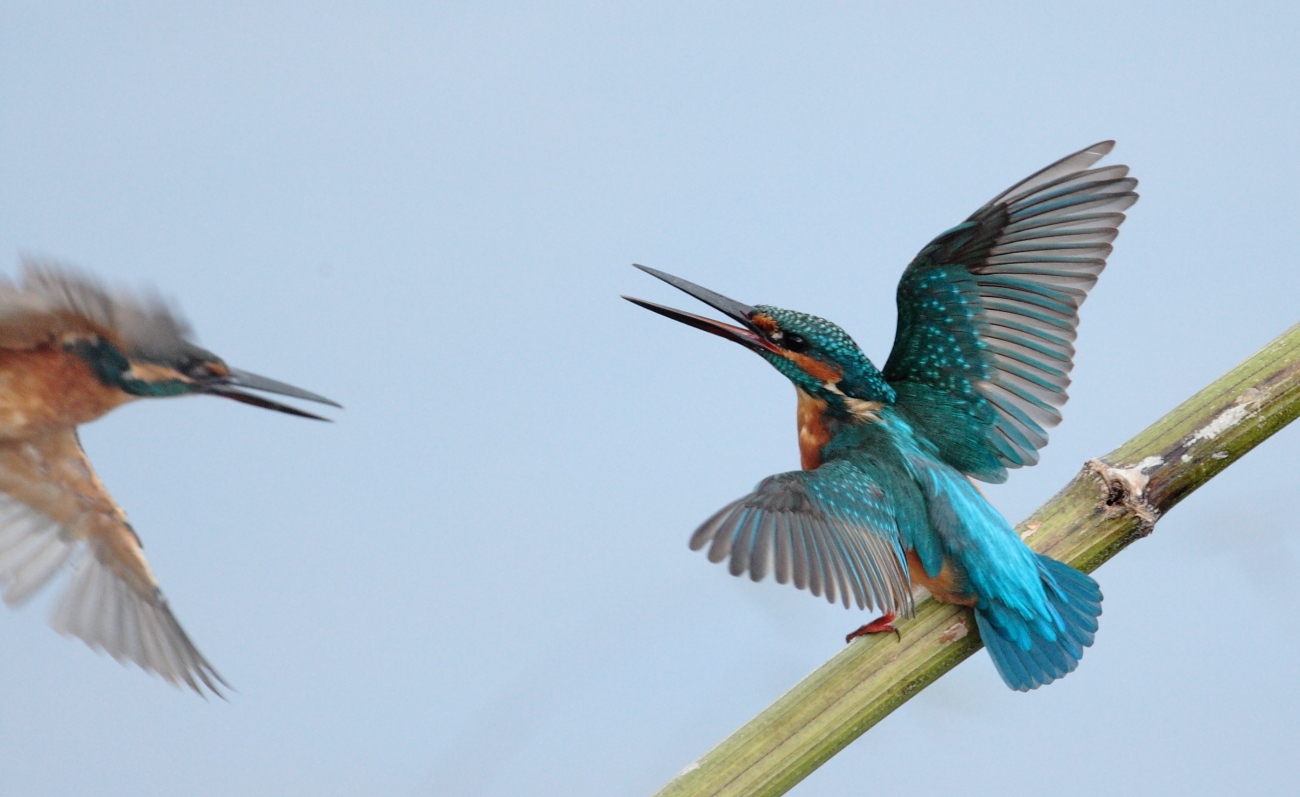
<point x="476" y="582"/>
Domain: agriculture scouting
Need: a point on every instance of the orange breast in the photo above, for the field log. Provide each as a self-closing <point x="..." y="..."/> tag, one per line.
<point x="46" y="388"/>
<point x="813" y="434"/>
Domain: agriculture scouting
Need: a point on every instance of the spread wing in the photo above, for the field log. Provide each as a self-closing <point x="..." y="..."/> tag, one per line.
<point x="830" y="530"/>
<point x="987" y="313"/>
<point x="53" y="510"/>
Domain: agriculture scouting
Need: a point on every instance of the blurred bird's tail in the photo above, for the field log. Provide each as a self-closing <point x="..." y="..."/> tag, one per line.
<point x="1037" y="660"/>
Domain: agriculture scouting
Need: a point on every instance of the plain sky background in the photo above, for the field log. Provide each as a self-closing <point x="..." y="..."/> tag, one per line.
<point x="476" y="582"/>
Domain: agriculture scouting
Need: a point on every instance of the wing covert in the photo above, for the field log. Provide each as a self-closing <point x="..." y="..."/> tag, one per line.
<point x="987" y="312"/>
<point x="831" y="531"/>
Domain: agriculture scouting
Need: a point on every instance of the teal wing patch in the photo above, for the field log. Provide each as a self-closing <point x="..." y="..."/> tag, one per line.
<point x="987" y="313"/>
<point x="831" y="531"/>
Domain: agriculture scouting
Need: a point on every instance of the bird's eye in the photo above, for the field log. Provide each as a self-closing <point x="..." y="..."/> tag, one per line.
<point x="794" y="342"/>
<point x="195" y="368"/>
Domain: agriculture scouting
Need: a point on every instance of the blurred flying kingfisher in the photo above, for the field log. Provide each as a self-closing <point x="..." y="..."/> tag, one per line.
<point x="982" y="353"/>
<point x="70" y="351"/>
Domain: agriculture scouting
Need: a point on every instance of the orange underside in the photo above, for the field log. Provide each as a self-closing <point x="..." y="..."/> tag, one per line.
<point x="947" y="587"/>
<point x="813" y="433"/>
<point x="46" y="388"/>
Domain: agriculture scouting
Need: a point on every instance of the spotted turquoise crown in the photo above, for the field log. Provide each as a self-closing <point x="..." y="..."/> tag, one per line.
<point x="828" y="342"/>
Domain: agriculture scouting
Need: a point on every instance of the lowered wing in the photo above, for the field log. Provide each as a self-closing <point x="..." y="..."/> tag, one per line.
<point x="53" y="510"/>
<point x="832" y="531"/>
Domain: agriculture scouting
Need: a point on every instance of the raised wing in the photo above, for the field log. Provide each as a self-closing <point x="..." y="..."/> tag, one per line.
<point x="987" y="313"/>
<point x="55" y="300"/>
<point x="830" y="530"/>
<point x="54" y="510"/>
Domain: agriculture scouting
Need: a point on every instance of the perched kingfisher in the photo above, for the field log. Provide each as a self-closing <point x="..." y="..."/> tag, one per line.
<point x="981" y="359"/>
<point x="70" y="351"/>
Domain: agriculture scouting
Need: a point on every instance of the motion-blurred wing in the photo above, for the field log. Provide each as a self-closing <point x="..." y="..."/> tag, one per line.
<point x="830" y="530"/>
<point x="54" y="510"/>
<point x="987" y="313"/>
<point x="54" y="301"/>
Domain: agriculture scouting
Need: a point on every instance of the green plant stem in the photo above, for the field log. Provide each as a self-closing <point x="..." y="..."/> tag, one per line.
<point x="1113" y="501"/>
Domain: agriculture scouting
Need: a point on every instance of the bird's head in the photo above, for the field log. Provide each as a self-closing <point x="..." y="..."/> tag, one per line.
<point x="135" y="344"/>
<point x="189" y="370"/>
<point x="816" y="355"/>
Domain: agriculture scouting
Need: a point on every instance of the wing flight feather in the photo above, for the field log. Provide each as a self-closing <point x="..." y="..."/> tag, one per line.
<point x="831" y="531"/>
<point x="987" y="311"/>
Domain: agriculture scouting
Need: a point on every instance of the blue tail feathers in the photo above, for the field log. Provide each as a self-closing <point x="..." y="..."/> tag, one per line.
<point x="1076" y="599"/>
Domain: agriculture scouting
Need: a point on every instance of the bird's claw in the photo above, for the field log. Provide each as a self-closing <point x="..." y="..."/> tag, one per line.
<point x="881" y="625"/>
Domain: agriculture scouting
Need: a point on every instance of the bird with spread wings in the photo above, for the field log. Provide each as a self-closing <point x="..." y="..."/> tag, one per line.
<point x="70" y="351"/>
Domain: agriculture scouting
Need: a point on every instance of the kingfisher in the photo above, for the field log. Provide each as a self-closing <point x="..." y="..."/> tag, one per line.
<point x="885" y="502"/>
<point x="70" y="351"/>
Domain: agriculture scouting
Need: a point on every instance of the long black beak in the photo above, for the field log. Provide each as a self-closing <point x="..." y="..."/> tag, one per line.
<point x="229" y="387"/>
<point x="747" y="335"/>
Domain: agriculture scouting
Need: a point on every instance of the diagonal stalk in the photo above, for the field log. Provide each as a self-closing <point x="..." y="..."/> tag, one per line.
<point x="1113" y="501"/>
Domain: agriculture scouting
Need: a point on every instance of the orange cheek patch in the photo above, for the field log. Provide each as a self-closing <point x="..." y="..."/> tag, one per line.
<point x="151" y="372"/>
<point x="822" y="372"/>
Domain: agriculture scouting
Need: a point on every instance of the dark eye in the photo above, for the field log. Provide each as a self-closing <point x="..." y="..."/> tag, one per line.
<point x="195" y="368"/>
<point x="794" y="342"/>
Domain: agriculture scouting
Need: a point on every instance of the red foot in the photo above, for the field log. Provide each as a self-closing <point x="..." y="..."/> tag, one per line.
<point x="880" y="625"/>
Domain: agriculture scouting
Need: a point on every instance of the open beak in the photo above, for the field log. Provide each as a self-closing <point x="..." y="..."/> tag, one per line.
<point x="230" y="384"/>
<point x="746" y="335"/>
